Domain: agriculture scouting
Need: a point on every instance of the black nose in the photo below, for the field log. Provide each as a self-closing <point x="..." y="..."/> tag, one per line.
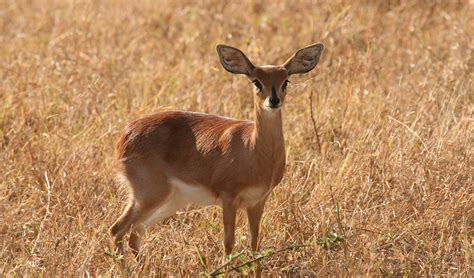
<point x="274" y="101"/>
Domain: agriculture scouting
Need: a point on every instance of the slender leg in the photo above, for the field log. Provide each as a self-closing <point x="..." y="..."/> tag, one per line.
<point x="229" y="212"/>
<point x="149" y="189"/>
<point x="158" y="214"/>
<point x="137" y="232"/>
<point x="255" y="215"/>
<point x="122" y="226"/>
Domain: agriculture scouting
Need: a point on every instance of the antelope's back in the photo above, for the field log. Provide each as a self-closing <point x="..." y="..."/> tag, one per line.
<point x="185" y="139"/>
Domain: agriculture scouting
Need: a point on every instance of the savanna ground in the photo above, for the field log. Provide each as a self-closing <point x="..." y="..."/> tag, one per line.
<point x="392" y="101"/>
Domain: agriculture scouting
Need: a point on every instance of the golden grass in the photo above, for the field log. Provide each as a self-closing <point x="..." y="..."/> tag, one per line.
<point x="392" y="100"/>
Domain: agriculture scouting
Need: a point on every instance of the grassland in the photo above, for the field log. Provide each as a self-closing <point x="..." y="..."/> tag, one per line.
<point x="392" y="100"/>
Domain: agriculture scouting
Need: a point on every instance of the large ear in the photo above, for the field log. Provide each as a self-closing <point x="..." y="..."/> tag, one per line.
<point x="233" y="60"/>
<point x="304" y="59"/>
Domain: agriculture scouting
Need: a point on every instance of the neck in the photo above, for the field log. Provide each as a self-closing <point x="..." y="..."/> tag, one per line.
<point x="268" y="133"/>
<point x="269" y="146"/>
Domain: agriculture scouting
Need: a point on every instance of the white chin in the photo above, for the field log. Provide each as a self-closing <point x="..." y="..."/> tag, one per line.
<point x="272" y="109"/>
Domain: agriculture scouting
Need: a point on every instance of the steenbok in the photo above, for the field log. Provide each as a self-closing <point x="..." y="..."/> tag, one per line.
<point x="173" y="159"/>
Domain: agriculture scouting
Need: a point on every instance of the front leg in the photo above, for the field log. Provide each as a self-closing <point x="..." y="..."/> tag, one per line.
<point x="229" y="211"/>
<point x="254" y="215"/>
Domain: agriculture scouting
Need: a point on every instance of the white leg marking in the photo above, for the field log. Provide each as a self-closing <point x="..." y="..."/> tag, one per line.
<point x="169" y="208"/>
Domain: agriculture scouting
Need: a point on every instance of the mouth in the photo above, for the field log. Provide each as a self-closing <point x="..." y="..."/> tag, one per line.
<point x="273" y="107"/>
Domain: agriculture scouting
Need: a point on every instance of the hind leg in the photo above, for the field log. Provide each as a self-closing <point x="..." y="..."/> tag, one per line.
<point x="135" y="219"/>
<point x="124" y="223"/>
<point x="149" y="188"/>
<point x="138" y="230"/>
<point x="121" y="227"/>
<point x="167" y="209"/>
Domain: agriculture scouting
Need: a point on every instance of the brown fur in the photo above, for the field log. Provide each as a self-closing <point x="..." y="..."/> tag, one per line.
<point x="222" y="154"/>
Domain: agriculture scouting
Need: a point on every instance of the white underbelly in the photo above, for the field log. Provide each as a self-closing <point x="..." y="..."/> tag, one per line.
<point x="193" y="194"/>
<point x="184" y="194"/>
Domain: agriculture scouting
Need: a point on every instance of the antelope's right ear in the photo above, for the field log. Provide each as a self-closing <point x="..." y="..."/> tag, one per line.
<point x="234" y="60"/>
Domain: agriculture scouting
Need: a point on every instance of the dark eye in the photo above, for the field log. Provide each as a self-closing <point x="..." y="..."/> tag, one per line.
<point x="283" y="87"/>
<point x="258" y="85"/>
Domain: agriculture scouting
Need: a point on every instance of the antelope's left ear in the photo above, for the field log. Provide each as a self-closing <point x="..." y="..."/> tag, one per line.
<point x="304" y="59"/>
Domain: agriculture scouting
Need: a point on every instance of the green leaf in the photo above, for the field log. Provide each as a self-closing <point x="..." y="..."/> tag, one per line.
<point x="331" y="241"/>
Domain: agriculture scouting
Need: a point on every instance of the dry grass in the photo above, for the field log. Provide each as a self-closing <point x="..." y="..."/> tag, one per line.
<point x="392" y="100"/>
